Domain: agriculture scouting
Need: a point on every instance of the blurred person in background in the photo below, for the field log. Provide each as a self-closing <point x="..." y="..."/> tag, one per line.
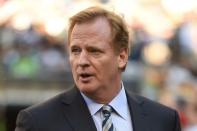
<point x="188" y="92"/>
<point x="183" y="44"/>
<point x="98" y="46"/>
<point x="191" y="113"/>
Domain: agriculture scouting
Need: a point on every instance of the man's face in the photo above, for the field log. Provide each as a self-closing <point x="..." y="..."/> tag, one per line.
<point x="94" y="64"/>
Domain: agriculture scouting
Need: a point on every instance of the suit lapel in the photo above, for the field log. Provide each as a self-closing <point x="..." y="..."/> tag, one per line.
<point x="76" y="111"/>
<point x="138" y="115"/>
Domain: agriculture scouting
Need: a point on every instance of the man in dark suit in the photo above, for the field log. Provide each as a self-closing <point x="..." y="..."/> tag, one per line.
<point x="98" y="46"/>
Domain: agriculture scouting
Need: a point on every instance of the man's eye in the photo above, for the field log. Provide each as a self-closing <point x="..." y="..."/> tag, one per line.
<point x="75" y="50"/>
<point x="94" y="51"/>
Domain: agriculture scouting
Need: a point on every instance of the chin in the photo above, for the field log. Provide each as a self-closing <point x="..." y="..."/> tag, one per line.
<point x="86" y="88"/>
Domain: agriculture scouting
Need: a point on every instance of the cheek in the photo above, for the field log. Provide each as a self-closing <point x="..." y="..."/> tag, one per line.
<point x="71" y="61"/>
<point x="72" y="66"/>
<point x="107" y="67"/>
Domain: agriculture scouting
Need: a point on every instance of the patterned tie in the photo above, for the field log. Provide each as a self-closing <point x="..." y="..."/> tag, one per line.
<point x="107" y="124"/>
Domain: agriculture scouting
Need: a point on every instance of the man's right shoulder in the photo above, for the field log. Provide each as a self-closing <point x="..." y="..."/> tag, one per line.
<point x="51" y="104"/>
<point x="45" y="115"/>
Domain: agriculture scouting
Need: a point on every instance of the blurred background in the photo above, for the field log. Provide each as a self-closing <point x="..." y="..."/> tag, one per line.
<point x="34" y="63"/>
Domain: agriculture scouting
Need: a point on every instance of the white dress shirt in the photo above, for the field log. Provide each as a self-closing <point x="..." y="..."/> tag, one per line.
<point x="121" y="118"/>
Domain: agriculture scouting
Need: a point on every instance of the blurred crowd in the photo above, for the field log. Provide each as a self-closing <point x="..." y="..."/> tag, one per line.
<point x="165" y="68"/>
<point x="29" y="54"/>
<point x="161" y="67"/>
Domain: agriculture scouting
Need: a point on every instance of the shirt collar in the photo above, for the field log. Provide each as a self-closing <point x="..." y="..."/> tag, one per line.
<point x="92" y="105"/>
<point x="119" y="104"/>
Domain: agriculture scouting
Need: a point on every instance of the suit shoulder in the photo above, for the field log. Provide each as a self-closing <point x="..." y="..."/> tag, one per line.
<point x="164" y="116"/>
<point x="47" y="106"/>
<point x="45" y="116"/>
<point x="153" y="105"/>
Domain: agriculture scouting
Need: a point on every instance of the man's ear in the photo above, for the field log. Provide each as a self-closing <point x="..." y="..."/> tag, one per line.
<point x="123" y="58"/>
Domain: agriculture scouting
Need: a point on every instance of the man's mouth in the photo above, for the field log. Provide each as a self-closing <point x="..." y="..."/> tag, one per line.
<point x="85" y="77"/>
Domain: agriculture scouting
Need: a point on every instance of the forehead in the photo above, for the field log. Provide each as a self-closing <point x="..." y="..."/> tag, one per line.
<point x="99" y="27"/>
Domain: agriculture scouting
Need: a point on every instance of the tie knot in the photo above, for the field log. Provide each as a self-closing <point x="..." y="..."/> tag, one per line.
<point x="106" y="110"/>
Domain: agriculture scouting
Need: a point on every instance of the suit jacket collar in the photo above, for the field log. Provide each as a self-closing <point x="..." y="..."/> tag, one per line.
<point x="76" y="111"/>
<point x="79" y="117"/>
<point x="138" y="113"/>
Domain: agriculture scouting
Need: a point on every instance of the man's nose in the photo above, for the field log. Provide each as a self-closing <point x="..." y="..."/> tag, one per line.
<point x="84" y="59"/>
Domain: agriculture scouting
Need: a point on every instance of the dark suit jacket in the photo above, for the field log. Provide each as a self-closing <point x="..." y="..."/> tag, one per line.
<point x="69" y="112"/>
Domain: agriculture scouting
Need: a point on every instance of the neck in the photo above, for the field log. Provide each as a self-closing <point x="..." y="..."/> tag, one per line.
<point x="106" y="96"/>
